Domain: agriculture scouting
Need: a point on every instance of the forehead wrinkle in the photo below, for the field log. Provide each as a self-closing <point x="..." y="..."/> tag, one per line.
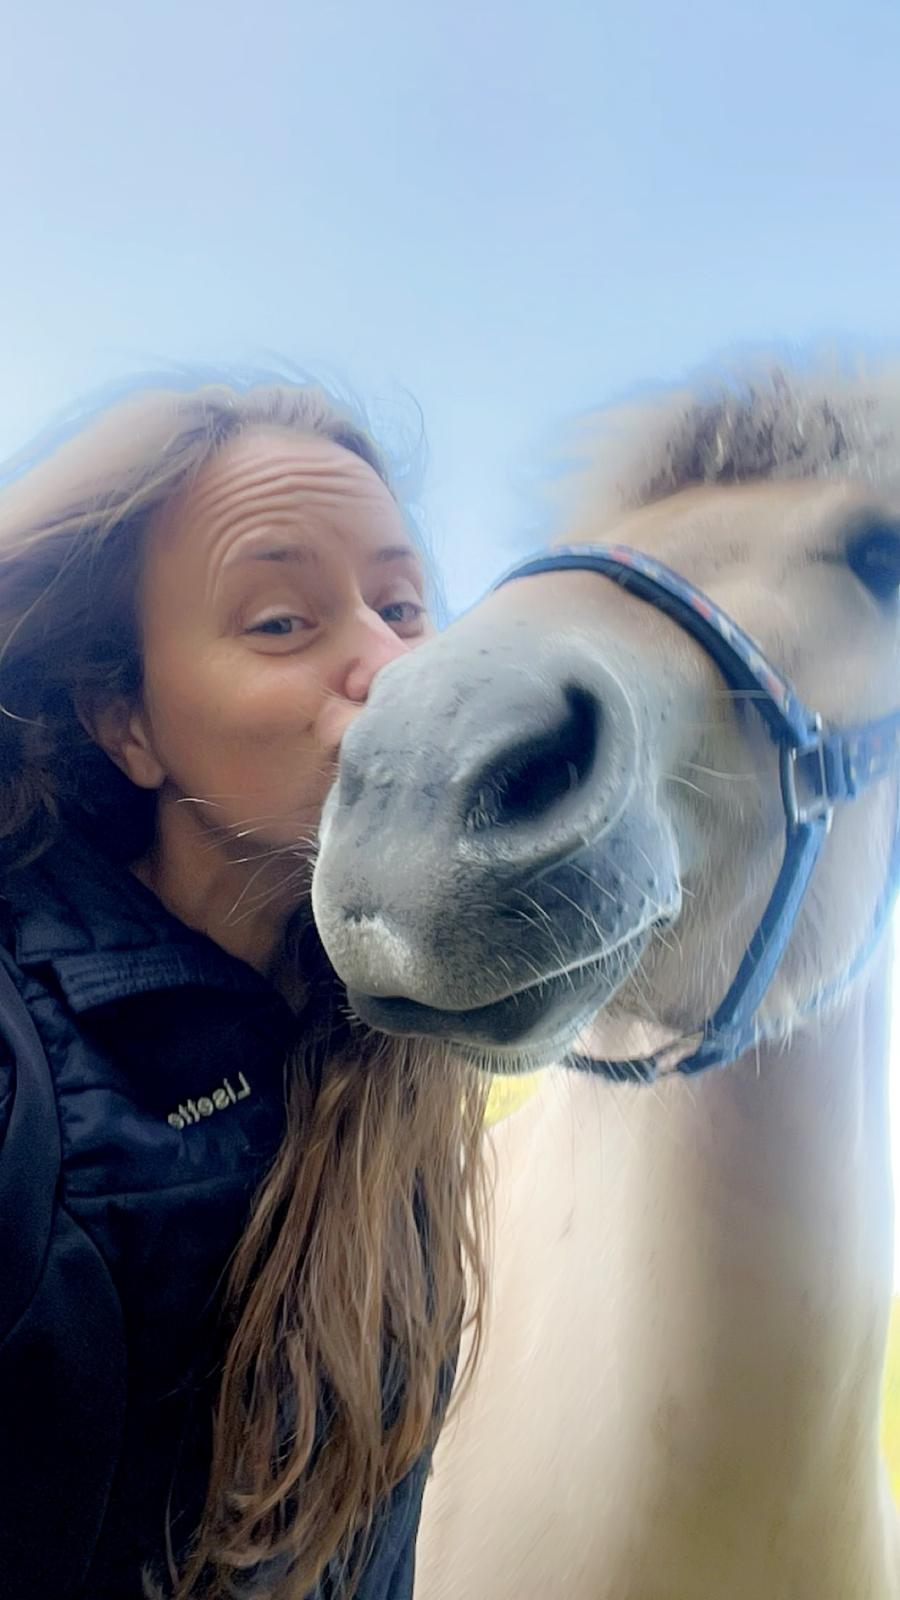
<point x="284" y="485"/>
<point x="242" y="492"/>
<point x="281" y="464"/>
<point x="278" y="489"/>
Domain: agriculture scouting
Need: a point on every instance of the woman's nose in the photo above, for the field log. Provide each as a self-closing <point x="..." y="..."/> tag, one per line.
<point x="374" y="645"/>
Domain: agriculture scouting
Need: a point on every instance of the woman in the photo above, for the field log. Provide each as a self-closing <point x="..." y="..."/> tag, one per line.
<point x="235" y="1227"/>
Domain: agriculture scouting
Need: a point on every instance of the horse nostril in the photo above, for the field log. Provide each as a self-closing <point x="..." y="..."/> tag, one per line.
<point x="526" y="780"/>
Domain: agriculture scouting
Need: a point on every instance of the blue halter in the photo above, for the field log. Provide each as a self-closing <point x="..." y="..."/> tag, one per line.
<point x="819" y="769"/>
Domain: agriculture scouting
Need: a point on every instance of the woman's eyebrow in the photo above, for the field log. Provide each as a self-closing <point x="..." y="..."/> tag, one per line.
<point x="298" y="554"/>
<point x="287" y="552"/>
<point x="393" y="552"/>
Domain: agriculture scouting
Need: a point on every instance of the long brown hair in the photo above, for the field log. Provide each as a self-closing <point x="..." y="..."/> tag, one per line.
<point x="364" y="1251"/>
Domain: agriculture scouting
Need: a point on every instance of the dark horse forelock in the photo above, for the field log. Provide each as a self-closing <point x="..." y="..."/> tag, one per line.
<point x="771" y="426"/>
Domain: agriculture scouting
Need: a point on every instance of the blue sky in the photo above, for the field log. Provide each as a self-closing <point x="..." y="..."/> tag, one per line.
<point x="511" y="211"/>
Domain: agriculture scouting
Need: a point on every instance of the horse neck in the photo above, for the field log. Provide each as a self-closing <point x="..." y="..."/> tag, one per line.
<point x="768" y="1211"/>
<point x="796" y="1139"/>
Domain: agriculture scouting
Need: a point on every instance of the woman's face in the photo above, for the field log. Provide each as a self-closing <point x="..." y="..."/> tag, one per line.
<point x="274" y="589"/>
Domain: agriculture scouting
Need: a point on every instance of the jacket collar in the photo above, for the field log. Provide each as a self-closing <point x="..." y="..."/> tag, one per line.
<point x="104" y="935"/>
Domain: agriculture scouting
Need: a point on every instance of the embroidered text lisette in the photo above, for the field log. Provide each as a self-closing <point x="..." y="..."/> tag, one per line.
<point x="217" y="1100"/>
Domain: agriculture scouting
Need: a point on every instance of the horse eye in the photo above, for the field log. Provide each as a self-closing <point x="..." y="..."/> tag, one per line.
<point x="873" y="555"/>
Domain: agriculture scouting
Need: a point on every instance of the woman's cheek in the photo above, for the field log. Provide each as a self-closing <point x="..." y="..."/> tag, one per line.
<point x="280" y="688"/>
<point x="238" y="724"/>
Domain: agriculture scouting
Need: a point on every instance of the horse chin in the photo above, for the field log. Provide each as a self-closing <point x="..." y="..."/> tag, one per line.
<point x="530" y="1028"/>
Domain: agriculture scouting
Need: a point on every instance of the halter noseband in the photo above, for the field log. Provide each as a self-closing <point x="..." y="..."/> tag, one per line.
<point x="820" y="768"/>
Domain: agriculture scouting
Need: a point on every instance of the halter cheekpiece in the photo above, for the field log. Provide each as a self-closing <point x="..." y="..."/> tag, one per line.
<point x="820" y="768"/>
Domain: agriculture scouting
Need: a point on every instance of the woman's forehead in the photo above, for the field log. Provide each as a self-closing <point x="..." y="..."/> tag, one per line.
<point x="274" y="480"/>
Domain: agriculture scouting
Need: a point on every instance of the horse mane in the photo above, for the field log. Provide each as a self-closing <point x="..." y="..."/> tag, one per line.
<point x="770" y="423"/>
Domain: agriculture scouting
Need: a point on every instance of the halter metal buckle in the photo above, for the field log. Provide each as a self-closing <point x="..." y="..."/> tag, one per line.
<point x="820" y="806"/>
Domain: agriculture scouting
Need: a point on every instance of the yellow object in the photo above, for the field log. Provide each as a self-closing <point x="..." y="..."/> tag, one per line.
<point x="508" y="1094"/>
<point x="890" y="1409"/>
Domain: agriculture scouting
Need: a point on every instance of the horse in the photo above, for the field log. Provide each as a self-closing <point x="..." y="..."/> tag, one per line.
<point x="636" y="813"/>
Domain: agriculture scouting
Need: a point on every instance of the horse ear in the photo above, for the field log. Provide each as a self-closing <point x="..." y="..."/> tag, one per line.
<point x="873" y="555"/>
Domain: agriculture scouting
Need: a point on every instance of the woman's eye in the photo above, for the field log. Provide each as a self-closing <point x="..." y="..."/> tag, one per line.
<point x="401" y="613"/>
<point x="277" y="627"/>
